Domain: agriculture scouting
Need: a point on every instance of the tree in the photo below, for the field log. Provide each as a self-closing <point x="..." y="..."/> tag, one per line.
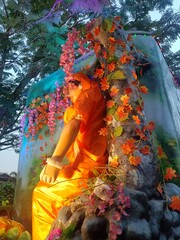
<point x="136" y="16"/>
<point x="29" y="50"/>
<point x="32" y="33"/>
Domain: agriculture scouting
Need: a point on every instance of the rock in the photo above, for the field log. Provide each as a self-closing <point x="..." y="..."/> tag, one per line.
<point x="172" y="238"/>
<point x="64" y="214"/>
<point x="77" y="236"/>
<point x="138" y="229"/>
<point x="176" y="232"/>
<point x="166" y="222"/>
<point x="172" y="189"/>
<point x="77" y="218"/>
<point x="163" y="237"/>
<point x="156" y="208"/>
<point x="176" y="218"/>
<point x="77" y="204"/>
<point x="147" y="175"/>
<point x="139" y="204"/>
<point x="137" y="210"/>
<point x="95" y="227"/>
<point x="155" y="228"/>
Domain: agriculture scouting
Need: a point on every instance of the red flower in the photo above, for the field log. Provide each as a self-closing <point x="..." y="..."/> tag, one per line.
<point x="170" y="173"/>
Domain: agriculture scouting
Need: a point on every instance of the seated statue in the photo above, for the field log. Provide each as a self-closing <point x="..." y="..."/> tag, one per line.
<point x="81" y="144"/>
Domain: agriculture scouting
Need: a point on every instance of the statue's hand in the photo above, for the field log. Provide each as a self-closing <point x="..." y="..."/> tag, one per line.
<point x="49" y="174"/>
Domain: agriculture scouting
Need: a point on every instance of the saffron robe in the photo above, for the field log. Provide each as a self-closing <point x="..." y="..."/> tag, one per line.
<point x="88" y="152"/>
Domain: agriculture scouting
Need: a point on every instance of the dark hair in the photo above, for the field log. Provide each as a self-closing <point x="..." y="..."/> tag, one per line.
<point x="75" y="82"/>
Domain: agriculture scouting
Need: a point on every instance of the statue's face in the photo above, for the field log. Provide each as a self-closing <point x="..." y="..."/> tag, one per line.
<point x="74" y="92"/>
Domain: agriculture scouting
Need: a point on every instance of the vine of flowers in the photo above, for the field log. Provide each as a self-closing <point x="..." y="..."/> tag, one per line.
<point x="43" y="112"/>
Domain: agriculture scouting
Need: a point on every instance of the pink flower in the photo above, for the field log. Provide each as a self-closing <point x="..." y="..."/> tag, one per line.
<point x="114" y="231"/>
<point x="55" y="234"/>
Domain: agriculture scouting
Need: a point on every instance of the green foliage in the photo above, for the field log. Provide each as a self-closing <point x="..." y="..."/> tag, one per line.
<point x="25" y="236"/>
<point x="68" y="232"/>
<point x="118" y="131"/>
<point x="171" y="152"/>
<point x="12" y="233"/>
<point x="30" y="50"/>
<point x="6" y="193"/>
<point x="136" y="16"/>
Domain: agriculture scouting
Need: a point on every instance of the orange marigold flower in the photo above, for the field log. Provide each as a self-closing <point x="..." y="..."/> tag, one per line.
<point x="150" y="126"/>
<point x="126" y="149"/>
<point x="141" y="134"/>
<point x="112" y="40"/>
<point x="143" y="89"/>
<point x="103" y="131"/>
<point x="134" y="83"/>
<point x="175" y="203"/>
<point x="121" y="43"/>
<point x="170" y="173"/>
<point x="129" y="37"/>
<point x="128" y="90"/>
<point x="97" y="30"/>
<point x="127" y="108"/>
<point x="121" y="113"/>
<point x="97" y="47"/>
<point x="114" y="91"/>
<point x="112" y="49"/>
<point x="111" y="66"/>
<point x="160" y="151"/>
<point x="104" y="54"/>
<point x="135" y="160"/>
<point x="125" y="99"/>
<point x="99" y="73"/>
<point x="112" y="28"/>
<point x="129" y="146"/>
<point x="145" y="150"/>
<point x="134" y="74"/>
<point x="89" y="36"/>
<point x="102" y="66"/>
<point x="108" y="119"/>
<point x="125" y="59"/>
<point x="114" y="162"/>
<point x="139" y="109"/>
<point x="104" y="84"/>
<point x="110" y="103"/>
<point x="136" y="119"/>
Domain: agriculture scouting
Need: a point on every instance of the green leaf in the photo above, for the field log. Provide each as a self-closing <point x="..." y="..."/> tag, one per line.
<point x="111" y="111"/>
<point x="25" y="236"/>
<point x="118" y="131"/>
<point x="107" y="24"/>
<point x="118" y="75"/>
<point x="111" y="178"/>
<point x="12" y="233"/>
<point x="2" y="231"/>
<point x="68" y="232"/>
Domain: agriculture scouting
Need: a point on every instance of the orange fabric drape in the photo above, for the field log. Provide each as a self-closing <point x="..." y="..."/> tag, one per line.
<point x="86" y="153"/>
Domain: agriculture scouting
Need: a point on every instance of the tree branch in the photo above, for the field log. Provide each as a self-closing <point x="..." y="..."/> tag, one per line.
<point x="5" y="9"/>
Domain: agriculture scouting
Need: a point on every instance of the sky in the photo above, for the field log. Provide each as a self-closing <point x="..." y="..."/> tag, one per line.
<point x="9" y="159"/>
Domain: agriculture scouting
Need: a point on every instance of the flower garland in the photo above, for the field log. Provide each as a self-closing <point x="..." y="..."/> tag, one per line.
<point x="43" y="112"/>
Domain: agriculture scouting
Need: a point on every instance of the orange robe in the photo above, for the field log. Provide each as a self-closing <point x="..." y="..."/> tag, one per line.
<point x="88" y="152"/>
